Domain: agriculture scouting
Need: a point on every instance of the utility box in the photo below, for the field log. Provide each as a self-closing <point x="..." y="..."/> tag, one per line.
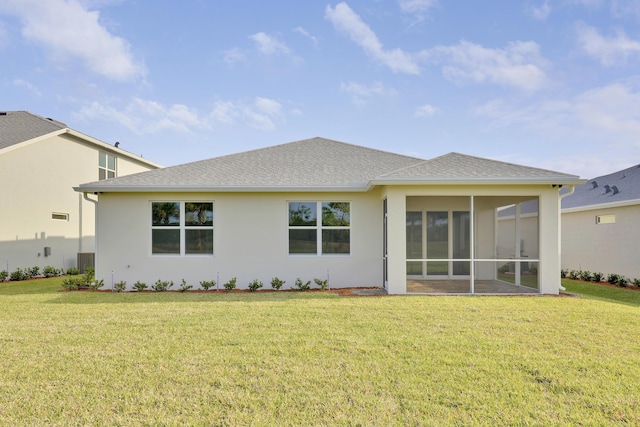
<point x="86" y="260"/>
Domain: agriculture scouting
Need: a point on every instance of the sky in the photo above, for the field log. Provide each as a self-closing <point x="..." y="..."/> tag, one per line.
<point x="553" y="84"/>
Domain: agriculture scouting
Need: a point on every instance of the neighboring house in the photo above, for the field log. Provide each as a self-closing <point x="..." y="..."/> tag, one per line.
<point x="324" y="209"/>
<point x="45" y="222"/>
<point x="601" y="225"/>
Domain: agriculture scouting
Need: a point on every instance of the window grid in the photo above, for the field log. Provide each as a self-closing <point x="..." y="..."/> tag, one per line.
<point x="106" y="166"/>
<point x="330" y="234"/>
<point x="182" y="228"/>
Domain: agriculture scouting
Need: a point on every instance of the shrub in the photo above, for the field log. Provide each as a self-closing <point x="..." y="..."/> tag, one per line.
<point x="302" y="286"/>
<point x="231" y="284"/>
<point x="277" y="283"/>
<point x="72" y="283"/>
<point x="563" y="274"/>
<point x="96" y="284"/>
<point x="139" y="286"/>
<point x="120" y="286"/>
<point x="586" y="275"/>
<point x="161" y="285"/>
<point x="636" y="283"/>
<point x="49" y="271"/>
<point x="184" y="287"/>
<point x="323" y="284"/>
<point x="623" y="281"/>
<point x="3" y="275"/>
<point x="33" y="271"/>
<point x="17" y="275"/>
<point x="574" y="275"/>
<point x="206" y="285"/>
<point x="255" y="285"/>
<point x="597" y="277"/>
<point x="613" y="278"/>
<point x="72" y="271"/>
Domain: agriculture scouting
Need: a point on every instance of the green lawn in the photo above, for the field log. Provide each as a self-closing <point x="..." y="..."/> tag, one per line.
<point x="314" y="359"/>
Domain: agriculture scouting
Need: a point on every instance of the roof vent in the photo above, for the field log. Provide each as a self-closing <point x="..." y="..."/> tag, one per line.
<point x="607" y="189"/>
<point x="117" y="144"/>
<point x="4" y="113"/>
<point x="595" y="184"/>
<point x="615" y="190"/>
<point x="624" y="175"/>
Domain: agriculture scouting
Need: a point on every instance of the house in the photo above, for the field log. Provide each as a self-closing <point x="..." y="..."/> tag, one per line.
<point x="601" y="225"/>
<point x="324" y="209"/>
<point x="45" y="222"/>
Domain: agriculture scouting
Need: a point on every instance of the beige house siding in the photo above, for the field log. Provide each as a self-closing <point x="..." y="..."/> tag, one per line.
<point x="605" y="248"/>
<point x="38" y="179"/>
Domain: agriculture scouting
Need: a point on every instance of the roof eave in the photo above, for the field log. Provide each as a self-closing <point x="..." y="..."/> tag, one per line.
<point x="563" y="180"/>
<point x="217" y="189"/>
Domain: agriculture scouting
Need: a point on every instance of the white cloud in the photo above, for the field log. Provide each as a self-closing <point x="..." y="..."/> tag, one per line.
<point x="25" y="84"/>
<point x="233" y="56"/>
<point x="608" y="50"/>
<point x="518" y="65"/>
<point x="416" y="6"/>
<point x="304" y="32"/>
<point x="542" y="12"/>
<point x="263" y="114"/>
<point x="346" y="20"/>
<point x="269" y="45"/>
<point x="67" y="30"/>
<point x="360" y="94"/>
<point x="426" y="110"/>
<point x="147" y="117"/>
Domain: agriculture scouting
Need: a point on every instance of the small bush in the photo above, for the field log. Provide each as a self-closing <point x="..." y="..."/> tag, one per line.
<point x="613" y="278"/>
<point x="255" y="285"/>
<point x="207" y="284"/>
<point x="33" y="272"/>
<point x="323" y="284"/>
<point x="277" y="283"/>
<point x="3" y="275"/>
<point x="120" y="286"/>
<point x="72" y="283"/>
<point x="18" y="275"/>
<point x="586" y="275"/>
<point x="574" y="275"/>
<point x="597" y="277"/>
<point x="231" y="284"/>
<point x="49" y="271"/>
<point x="72" y="271"/>
<point x="636" y="283"/>
<point x="140" y="286"/>
<point x="161" y="285"/>
<point x="623" y="282"/>
<point x="184" y="287"/>
<point x="302" y="286"/>
<point x="564" y="274"/>
<point x="96" y="284"/>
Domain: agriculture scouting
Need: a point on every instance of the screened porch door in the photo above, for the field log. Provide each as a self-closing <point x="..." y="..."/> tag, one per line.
<point x="434" y="236"/>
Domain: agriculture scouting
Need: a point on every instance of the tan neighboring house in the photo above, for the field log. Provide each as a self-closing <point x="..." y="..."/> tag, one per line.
<point x="601" y="225"/>
<point x="45" y="222"/>
<point x="318" y="208"/>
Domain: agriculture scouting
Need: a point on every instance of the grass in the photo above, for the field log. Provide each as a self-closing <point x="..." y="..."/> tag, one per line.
<point x="602" y="292"/>
<point x="313" y="359"/>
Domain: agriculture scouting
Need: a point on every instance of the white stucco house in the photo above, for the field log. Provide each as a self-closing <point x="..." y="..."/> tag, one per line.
<point x="45" y="222"/>
<point x="319" y="208"/>
<point x="601" y="225"/>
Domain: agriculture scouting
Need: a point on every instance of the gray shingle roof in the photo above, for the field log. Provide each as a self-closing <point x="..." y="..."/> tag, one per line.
<point x="20" y="126"/>
<point x="626" y="182"/>
<point x="316" y="164"/>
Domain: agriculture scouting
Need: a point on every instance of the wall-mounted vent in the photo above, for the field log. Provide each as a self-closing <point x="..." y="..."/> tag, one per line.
<point x="606" y="219"/>
<point x="58" y="216"/>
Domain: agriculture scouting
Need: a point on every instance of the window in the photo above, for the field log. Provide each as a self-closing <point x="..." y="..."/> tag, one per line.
<point x="182" y="228"/>
<point x="60" y="216"/>
<point x="329" y="235"/>
<point x="606" y="219"/>
<point x="106" y="166"/>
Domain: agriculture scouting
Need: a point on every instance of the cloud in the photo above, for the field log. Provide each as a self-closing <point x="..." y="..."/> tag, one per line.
<point x="147" y="117"/>
<point x="608" y="115"/>
<point x="269" y="45"/>
<point x="25" y="84"/>
<point x="608" y="50"/>
<point x="416" y="6"/>
<point x="263" y="114"/>
<point x="302" y="31"/>
<point x="426" y="110"/>
<point x="233" y="56"/>
<point x="360" y="94"/>
<point x="518" y="65"/>
<point x="68" y="30"/>
<point x="344" y="19"/>
<point x="541" y="13"/>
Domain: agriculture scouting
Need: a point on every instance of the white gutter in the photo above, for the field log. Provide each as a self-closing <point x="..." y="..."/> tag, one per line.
<point x="95" y="225"/>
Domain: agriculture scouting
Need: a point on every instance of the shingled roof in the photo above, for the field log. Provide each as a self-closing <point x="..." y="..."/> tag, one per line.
<point x="319" y="164"/>
<point x="617" y="187"/>
<point x="21" y="126"/>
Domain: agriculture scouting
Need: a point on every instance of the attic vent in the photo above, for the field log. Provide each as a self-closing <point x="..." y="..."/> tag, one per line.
<point x="607" y="189"/>
<point x="60" y="216"/>
<point x="3" y="113"/>
<point x="595" y="184"/>
<point x="605" y="219"/>
<point x="615" y="190"/>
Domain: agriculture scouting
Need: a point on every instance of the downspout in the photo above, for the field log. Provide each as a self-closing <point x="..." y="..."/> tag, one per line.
<point x="562" y="196"/>
<point x="95" y="225"/>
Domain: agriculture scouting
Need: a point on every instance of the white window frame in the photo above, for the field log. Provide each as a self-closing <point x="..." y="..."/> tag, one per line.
<point x="182" y="227"/>
<point x="318" y="228"/>
<point x="106" y="167"/>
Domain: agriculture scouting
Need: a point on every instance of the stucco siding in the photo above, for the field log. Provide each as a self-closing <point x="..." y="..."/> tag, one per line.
<point x="250" y="241"/>
<point x="605" y="248"/>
